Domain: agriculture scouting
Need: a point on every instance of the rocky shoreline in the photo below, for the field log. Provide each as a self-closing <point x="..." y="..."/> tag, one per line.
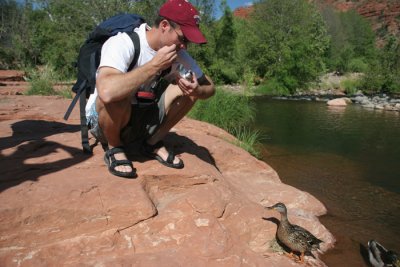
<point x="379" y="102"/>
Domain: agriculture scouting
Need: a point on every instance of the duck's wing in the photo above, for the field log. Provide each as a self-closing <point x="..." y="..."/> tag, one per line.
<point x="307" y="236"/>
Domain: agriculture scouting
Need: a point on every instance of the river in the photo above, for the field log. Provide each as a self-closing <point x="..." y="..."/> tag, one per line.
<point x="348" y="158"/>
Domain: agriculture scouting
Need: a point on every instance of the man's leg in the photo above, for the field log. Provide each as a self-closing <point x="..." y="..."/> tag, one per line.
<point x="176" y="107"/>
<point x="112" y="118"/>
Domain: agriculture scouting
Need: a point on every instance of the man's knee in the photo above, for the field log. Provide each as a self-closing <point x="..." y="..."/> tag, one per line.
<point x="117" y="112"/>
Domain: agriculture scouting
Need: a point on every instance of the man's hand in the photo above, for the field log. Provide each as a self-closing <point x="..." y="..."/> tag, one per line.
<point x="189" y="88"/>
<point x="164" y="57"/>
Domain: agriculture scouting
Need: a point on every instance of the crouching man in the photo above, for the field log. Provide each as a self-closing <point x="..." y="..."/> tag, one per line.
<point x="147" y="101"/>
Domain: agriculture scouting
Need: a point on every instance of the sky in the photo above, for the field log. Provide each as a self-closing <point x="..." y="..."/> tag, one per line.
<point x="233" y="4"/>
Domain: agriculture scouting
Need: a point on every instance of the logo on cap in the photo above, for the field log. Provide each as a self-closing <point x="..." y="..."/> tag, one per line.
<point x="197" y="19"/>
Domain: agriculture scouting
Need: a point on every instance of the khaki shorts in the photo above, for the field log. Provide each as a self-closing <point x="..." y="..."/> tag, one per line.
<point x="143" y="123"/>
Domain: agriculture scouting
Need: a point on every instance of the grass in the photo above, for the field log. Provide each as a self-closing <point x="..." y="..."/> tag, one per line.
<point x="271" y="88"/>
<point x="233" y="113"/>
<point x="43" y="80"/>
<point x="351" y="86"/>
<point x="248" y="139"/>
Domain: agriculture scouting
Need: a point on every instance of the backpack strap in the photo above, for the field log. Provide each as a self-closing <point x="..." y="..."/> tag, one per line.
<point x="84" y="127"/>
<point x="81" y="84"/>
<point x="136" y="43"/>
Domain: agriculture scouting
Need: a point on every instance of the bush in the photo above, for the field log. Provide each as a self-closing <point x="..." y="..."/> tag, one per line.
<point x="42" y="81"/>
<point x="225" y="110"/>
<point x="351" y="86"/>
<point x="357" y="65"/>
<point x="373" y="82"/>
<point x="272" y="87"/>
<point x="231" y="112"/>
<point x="223" y="73"/>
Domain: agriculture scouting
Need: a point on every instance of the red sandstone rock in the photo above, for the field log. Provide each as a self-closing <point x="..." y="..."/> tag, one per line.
<point x="61" y="207"/>
<point x="243" y="12"/>
<point x="12" y="75"/>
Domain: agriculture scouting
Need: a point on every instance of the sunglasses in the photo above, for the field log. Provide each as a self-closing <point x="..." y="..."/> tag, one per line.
<point x="181" y="38"/>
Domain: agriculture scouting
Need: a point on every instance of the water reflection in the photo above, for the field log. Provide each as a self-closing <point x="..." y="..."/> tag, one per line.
<point x="333" y="110"/>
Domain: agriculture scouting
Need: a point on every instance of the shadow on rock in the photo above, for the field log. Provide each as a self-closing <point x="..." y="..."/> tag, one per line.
<point x="179" y="144"/>
<point x="31" y="155"/>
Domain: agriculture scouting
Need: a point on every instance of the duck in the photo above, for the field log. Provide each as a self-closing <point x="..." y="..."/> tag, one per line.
<point x="379" y="256"/>
<point x="294" y="237"/>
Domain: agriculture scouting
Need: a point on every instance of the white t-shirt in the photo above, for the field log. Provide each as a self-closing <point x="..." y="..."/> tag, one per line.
<point x="118" y="52"/>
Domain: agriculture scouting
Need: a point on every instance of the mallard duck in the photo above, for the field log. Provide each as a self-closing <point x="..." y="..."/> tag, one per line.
<point x="379" y="256"/>
<point x="295" y="237"/>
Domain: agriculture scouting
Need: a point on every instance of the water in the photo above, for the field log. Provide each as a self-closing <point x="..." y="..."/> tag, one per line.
<point x="348" y="158"/>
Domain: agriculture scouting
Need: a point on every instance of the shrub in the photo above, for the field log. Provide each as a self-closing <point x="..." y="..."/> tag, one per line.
<point x="225" y="110"/>
<point x="223" y="73"/>
<point x="272" y="87"/>
<point x="42" y="81"/>
<point x="351" y="86"/>
<point x="357" y="65"/>
<point x="231" y="112"/>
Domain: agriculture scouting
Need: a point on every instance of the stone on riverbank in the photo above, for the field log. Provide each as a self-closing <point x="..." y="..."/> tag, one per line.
<point x="343" y="101"/>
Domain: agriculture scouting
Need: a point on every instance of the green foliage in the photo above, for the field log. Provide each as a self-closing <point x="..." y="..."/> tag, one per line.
<point x="272" y="87"/>
<point x="226" y="36"/>
<point x="206" y="9"/>
<point x="384" y="74"/>
<point x="351" y="86"/>
<point x="223" y="72"/>
<point x="357" y="65"/>
<point x="225" y="110"/>
<point x="285" y="41"/>
<point x="218" y="56"/>
<point x="283" y="47"/>
<point x="232" y="112"/>
<point x="352" y="45"/>
<point x="42" y="81"/>
<point x="52" y="32"/>
<point x="11" y="14"/>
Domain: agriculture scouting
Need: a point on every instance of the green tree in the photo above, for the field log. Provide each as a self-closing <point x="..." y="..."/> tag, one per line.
<point x="11" y="15"/>
<point x="384" y="74"/>
<point x="223" y="68"/>
<point x="206" y="9"/>
<point x="352" y="46"/>
<point x="285" y="43"/>
<point x="52" y="32"/>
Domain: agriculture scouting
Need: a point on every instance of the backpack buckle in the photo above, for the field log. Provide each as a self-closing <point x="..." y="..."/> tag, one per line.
<point x="146" y="95"/>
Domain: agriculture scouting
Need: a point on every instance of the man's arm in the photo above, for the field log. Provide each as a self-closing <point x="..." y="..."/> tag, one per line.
<point x="114" y="85"/>
<point x="206" y="87"/>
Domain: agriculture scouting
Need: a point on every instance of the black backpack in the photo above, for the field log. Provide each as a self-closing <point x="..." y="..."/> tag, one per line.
<point x="89" y="60"/>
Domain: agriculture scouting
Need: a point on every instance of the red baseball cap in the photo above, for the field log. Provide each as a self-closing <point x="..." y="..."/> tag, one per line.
<point x="186" y="16"/>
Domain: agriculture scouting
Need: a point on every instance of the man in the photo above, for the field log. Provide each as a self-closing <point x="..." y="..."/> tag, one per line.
<point x="117" y="112"/>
